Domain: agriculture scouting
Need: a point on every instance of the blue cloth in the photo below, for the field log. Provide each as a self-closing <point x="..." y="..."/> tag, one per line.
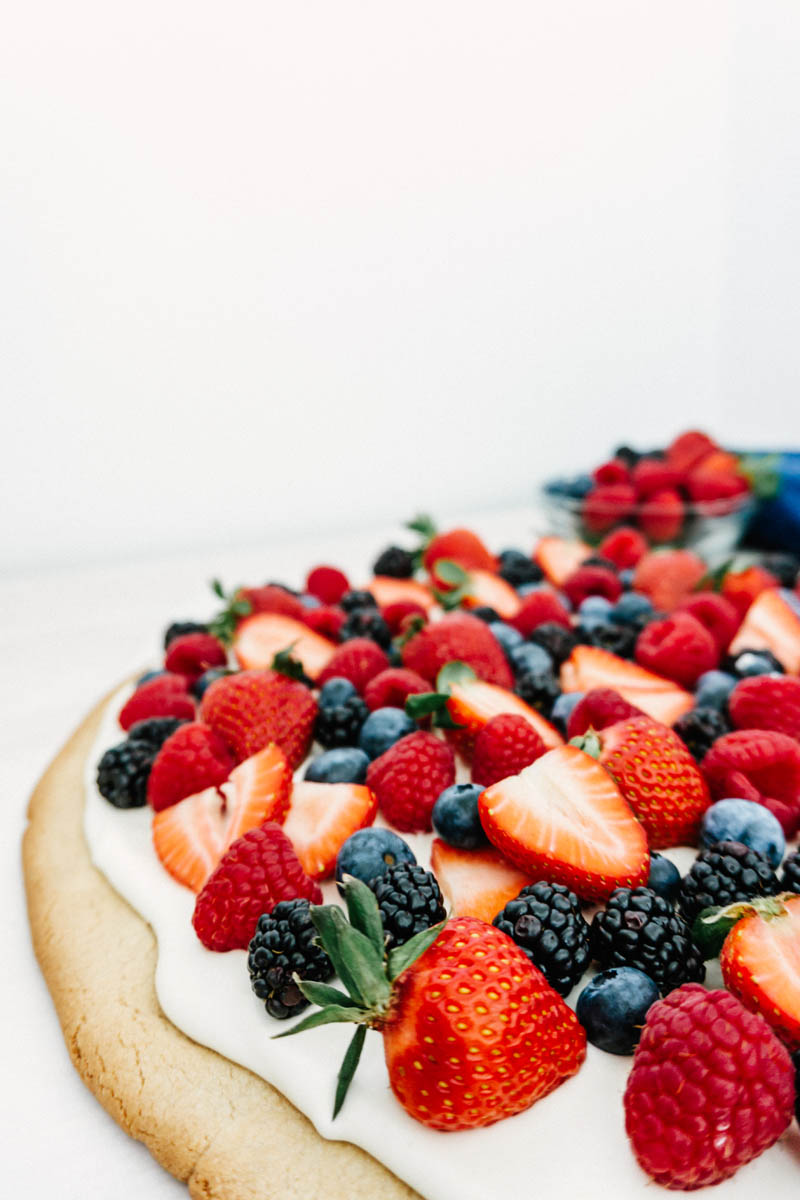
<point x="776" y="523"/>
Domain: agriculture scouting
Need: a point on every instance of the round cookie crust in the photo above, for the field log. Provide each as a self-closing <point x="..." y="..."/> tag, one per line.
<point x="211" y="1123"/>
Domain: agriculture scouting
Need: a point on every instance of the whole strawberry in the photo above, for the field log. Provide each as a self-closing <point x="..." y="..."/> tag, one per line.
<point x="464" y="1047"/>
<point x="194" y="757"/>
<point x="252" y="708"/>
<point x="767" y="702"/>
<point x="260" y="869"/>
<point x="657" y="776"/>
<point x="504" y="746"/>
<point x="458" y="637"/>
<point x="409" y="777"/>
<point x="710" y="1089"/>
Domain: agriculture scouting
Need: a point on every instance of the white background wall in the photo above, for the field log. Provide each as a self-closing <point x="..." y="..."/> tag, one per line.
<point x="268" y="267"/>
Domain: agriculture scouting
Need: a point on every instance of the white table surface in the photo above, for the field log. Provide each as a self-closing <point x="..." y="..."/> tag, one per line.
<point x="67" y="636"/>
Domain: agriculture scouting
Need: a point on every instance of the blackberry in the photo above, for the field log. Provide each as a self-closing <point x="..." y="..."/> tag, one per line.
<point x="546" y="922"/>
<point x="540" y="689"/>
<point x="597" y="560"/>
<point x="354" y="599"/>
<point x="790" y="876"/>
<point x="785" y="568"/>
<point x="640" y="929"/>
<point x="627" y="455"/>
<point x="179" y="628"/>
<point x="484" y="613"/>
<point x="699" y="729"/>
<point x="556" y="640"/>
<point x="284" y="943"/>
<point x="617" y="639"/>
<point x="395" y="562"/>
<point x="518" y="568"/>
<point x="366" y="623"/>
<point x="154" y="731"/>
<point x="723" y="874"/>
<point x="410" y="901"/>
<point x="340" y="724"/>
<point x="123" y="771"/>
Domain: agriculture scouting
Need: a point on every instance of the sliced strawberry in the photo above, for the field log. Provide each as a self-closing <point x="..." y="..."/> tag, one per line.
<point x="760" y="963"/>
<point x="259" y="638"/>
<point x="559" y="558"/>
<point x="458" y="545"/>
<point x="321" y="818"/>
<point x="191" y="836"/>
<point x="741" y="588"/>
<point x="771" y="624"/>
<point x="589" y="667"/>
<point x="387" y="590"/>
<point x="486" y="588"/>
<point x="564" y="819"/>
<point x="473" y="703"/>
<point x="476" y="883"/>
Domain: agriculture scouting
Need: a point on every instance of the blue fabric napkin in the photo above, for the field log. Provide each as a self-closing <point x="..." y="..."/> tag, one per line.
<point x="776" y="523"/>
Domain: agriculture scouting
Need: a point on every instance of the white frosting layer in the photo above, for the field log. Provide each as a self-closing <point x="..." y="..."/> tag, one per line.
<point x="571" y="1144"/>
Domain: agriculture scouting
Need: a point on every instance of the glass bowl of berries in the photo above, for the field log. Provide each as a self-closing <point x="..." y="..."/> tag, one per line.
<point x="691" y="494"/>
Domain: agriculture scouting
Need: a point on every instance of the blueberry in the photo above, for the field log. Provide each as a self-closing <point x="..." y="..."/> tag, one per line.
<point x="455" y="816"/>
<point x="735" y="820"/>
<point x="756" y="662"/>
<point x="368" y="853"/>
<point x="507" y="635"/>
<point x="580" y="486"/>
<point x="345" y="764"/>
<point x="530" y="657"/>
<point x="613" y="1006"/>
<point x="561" y="710"/>
<point x="527" y="589"/>
<point x="626" y="578"/>
<point x="309" y="601"/>
<point x="664" y="878"/>
<point x="207" y="678"/>
<point x="148" y="675"/>
<point x="595" y="604"/>
<point x="383" y="728"/>
<point x="335" y="692"/>
<point x="713" y="689"/>
<point x="631" y="609"/>
<point x="591" y="621"/>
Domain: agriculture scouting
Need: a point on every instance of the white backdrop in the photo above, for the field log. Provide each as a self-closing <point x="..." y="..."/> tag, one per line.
<point x="270" y="267"/>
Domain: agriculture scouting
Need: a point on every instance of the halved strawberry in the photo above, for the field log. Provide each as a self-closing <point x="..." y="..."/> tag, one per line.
<point x="564" y="819"/>
<point x="589" y="667"/>
<point x="259" y="638"/>
<point x="771" y="624"/>
<point x="321" y="818"/>
<point x="559" y="558"/>
<point x="760" y="963"/>
<point x="191" y="836"/>
<point x="486" y="588"/>
<point x="473" y="703"/>
<point x="476" y="883"/>
<point x="387" y="590"/>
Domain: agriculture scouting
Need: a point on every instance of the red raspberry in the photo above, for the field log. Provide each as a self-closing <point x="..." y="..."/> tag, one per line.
<point x="395" y="615"/>
<point x="252" y="708"/>
<point x="540" y="608"/>
<point x="598" y="709"/>
<point x="457" y="636"/>
<point x="258" y="871"/>
<point x="624" y="547"/>
<point x="668" y="576"/>
<point x="679" y="648"/>
<point x="716" y="614"/>
<point x="742" y="587"/>
<point x="652" y="475"/>
<point x="592" y="581"/>
<point x="327" y="620"/>
<point x="613" y="471"/>
<point x="767" y="702"/>
<point x="392" y="688"/>
<point x="164" y="696"/>
<point x="274" y="599"/>
<point x="607" y="505"/>
<point x="358" y="660"/>
<point x="689" y="449"/>
<point x="505" y="746"/>
<point x="409" y="777"/>
<point x="328" y="584"/>
<point x="194" y="653"/>
<point x="710" y="1089"/>
<point x="760" y="765"/>
<point x="661" y="516"/>
<point x="191" y="759"/>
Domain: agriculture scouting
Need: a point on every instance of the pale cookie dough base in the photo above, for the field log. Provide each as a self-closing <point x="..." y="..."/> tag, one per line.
<point x="210" y="1123"/>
